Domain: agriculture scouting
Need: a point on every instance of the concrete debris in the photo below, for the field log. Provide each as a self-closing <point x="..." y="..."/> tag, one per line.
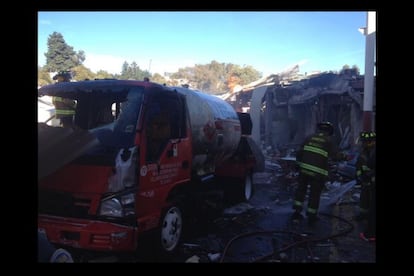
<point x="271" y="166"/>
<point x="332" y="185"/>
<point x="339" y="192"/>
<point x="214" y="257"/>
<point x="264" y="178"/>
<point x="356" y="197"/>
<point x="193" y="259"/>
<point x="237" y="209"/>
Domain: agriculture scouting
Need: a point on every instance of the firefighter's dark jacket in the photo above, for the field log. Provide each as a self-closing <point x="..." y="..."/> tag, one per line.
<point x="315" y="153"/>
<point x="64" y="107"/>
<point x="365" y="166"/>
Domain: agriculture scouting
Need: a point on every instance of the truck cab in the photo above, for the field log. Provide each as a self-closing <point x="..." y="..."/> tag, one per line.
<point x="135" y="152"/>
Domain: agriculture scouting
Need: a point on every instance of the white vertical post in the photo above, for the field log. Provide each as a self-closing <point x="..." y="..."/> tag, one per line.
<point x="370" y="42"/>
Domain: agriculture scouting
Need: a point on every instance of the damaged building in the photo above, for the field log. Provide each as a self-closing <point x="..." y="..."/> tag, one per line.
<point x="288" y="107"/>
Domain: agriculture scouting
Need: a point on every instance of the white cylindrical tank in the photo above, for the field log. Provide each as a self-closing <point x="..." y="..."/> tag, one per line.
<point x="215" y="128"/>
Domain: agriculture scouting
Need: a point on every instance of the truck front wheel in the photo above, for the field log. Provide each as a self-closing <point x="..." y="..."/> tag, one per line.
<point x="171" y="229"/>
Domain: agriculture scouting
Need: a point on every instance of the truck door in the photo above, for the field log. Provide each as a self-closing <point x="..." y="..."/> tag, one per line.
<point x="167" y="145"/>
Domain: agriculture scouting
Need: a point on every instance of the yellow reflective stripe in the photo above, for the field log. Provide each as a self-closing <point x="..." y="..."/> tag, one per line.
<point x="365" y="168"/>
<point x="65" y="112"/>
<point x="322" y="152"/>
<point x="318" y="139"/>
<point x="58" y="99"/>
<point x="297" y="203"/>
<point x="314" y="169"/>
<point x="359" y="172"/>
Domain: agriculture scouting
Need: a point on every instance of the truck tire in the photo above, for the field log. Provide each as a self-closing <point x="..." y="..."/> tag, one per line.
<point x="171" y="229"/>
<point x="246" y="189"/>
<point x="239" y="190"/>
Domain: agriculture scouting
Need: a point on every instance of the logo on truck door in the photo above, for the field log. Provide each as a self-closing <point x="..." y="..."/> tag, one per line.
<point x="165" y="174"/>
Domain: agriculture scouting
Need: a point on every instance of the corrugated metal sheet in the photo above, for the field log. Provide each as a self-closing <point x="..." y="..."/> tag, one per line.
<point x="58" y="146"/>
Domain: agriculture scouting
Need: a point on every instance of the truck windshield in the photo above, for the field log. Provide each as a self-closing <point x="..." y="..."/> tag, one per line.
<point x="105" y="108"/>
<point x="117" y="118"/>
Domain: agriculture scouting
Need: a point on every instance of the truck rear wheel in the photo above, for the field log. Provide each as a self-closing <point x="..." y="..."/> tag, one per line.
<point x="239" y="190"/>
<point x="171" y="229"/>
<point x="246" y="188"/>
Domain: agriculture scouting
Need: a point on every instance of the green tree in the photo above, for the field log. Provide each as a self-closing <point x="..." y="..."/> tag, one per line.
<point x="158" y="78"/>
<point x="80" y="73"/>
<point x="214" y="77"/>
<point x="133" y="72"/>
<point x="247" y="74"/>
<point x="43" y="77"/>
<point x="102" y="74"/>
<point x="124" y="71"/>
<point x="60" y="56"/>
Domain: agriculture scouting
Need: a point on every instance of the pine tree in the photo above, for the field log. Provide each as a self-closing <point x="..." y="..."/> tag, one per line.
<point x="60" y="56"/>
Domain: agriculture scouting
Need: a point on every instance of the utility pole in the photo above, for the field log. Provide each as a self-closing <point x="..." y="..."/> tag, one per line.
<point x="149" y="66"/>
<point x="370" y="41"/>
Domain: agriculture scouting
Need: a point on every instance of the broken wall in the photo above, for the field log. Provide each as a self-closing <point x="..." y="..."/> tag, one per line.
<point x="289" y="113"/>
<point x="297" y="109"/>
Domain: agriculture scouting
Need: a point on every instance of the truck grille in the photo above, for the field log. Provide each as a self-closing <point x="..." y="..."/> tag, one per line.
<point x="63" y="204"/>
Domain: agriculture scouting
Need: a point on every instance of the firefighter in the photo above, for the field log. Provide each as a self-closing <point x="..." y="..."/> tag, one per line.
<point x="365" y="172"/>
<point x="313" y="159"/>
<point x="64" y="108"/>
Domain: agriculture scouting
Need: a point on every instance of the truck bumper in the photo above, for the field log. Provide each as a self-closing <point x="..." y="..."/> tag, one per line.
<point x="87" y="234"/>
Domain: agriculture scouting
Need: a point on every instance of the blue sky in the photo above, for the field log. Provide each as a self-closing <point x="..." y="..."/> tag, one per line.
<point x="165" y="41"/>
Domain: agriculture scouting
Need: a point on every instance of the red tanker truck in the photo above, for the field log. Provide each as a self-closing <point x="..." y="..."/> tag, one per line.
<point x="138" y="155"/>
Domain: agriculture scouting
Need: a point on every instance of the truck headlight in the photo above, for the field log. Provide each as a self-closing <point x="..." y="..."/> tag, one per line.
<point x="111" y="207"/>
<point x="128" y="199"/>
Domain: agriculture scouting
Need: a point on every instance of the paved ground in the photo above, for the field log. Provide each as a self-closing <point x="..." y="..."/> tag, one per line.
<point x="262" y="231"/>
